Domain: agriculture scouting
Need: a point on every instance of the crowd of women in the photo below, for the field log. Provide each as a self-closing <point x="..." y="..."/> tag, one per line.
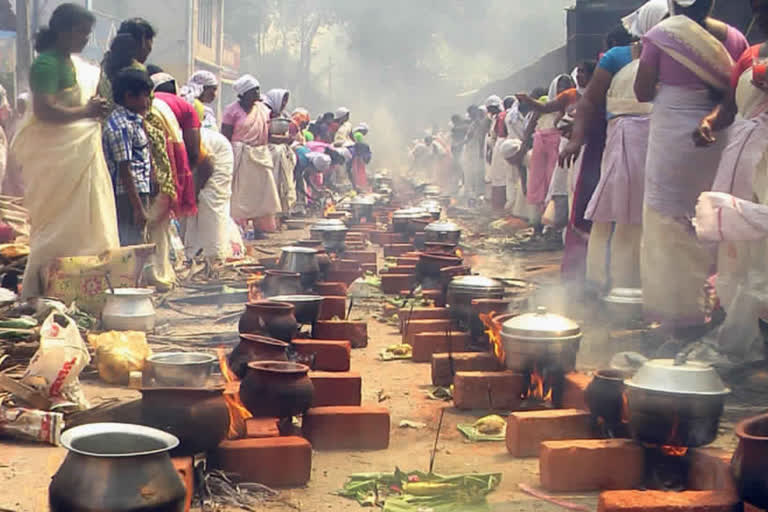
<point x="654" y="160"/>
<point x="126" y="154"/>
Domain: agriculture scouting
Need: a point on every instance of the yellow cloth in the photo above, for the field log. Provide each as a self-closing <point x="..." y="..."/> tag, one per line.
<point x="69" y="194"/>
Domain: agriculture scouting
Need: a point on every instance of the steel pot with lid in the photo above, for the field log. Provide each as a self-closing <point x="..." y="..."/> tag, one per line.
<point x="431" y="191"/>
<point x="675" y="403"/>
<point x="116" y="466"/>
<point x="405" y="220"/>
<point x="463" y="290"/>
<point x="623" y="304"/>
<point x="129" y="309"/>
<point x="445" y="232"/>
<point x="332" y="232"/>
<point x="433" y="207"/>
<point x="362" y="208"/>
<point x="541" y="338"/>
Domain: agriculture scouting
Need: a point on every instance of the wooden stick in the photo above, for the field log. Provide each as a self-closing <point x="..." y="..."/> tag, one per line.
<point x="540" y="495"/>
<point x="437" y="437"/>
<point x="24" y="392"/>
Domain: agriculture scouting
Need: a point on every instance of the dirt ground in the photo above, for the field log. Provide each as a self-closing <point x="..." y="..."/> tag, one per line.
<point x="26" y="469"/>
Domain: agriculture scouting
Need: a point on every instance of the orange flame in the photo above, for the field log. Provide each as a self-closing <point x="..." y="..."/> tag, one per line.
<point x="459" y="253"/>
<point x="329" y="208"/>
<point x="537" y="388"/>
<point x="493" y="330"/>
<point x="624" y="408"/>
<point x="669" y="448"/>
<point x="238" y="413"/>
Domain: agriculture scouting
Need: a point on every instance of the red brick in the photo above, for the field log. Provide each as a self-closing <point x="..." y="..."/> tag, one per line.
<point x="330" y="355"/>
<point x="392" y="284"/>
<point x="425" y="344"/>
<point x="591" y="465"/>
<point x="336" y="388"/>
<point x="361" y="256"/>
<point x="442" y="373"/>
<point x="415" y="327"/>
<point x="395" y="250"/>
<point x="409" y="314"/>
<point x="351" y="428"/>
<point x="436" y="296"/>
<point x="385" y="238"/>
<point x="185" y="468"/>
<point x="333" y="307"/>
<point x="344" y="276"/>
<point x="260" y="428"/>
<point x="275" y="461"/>
<point x="331" y="289"/>
<point x="355" y="332"/>
<point x="574" y="393"/>
<point x="346" y="264"/>
<point x="710" y="470"/>
<point x="526" y="430"/>
<point x="660" y="501"/>
<point x="487" y="390"/>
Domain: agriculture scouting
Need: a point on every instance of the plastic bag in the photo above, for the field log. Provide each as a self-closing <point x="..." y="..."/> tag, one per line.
<point x="119" y="353"/>
<point x="61" y="357"/>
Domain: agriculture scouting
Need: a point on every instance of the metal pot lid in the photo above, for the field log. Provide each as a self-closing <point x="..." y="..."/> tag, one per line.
<point x="408" y="213"/>
<point x="299" y="250"/>
<point x="131" y="292"/>
<point x="443" y="227"/>
<point x="476" y="284"/>
<point x="689" y="378"/>
<point x="431" y="205"/>
<point x="363" y="200"/>
<point x="432" y="189"/>
<point x="625" y="296"/>
<point x="541" y="325"/>
<point x="329" y="225"/>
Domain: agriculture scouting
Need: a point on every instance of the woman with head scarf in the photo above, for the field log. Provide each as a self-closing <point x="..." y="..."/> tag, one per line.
<point x="546" y="141"/>
<point x="201" y="91"/>
<point x="685" y="58"/>
<point x="254" y="191"/>
<point x="343" y="127"/>
<point x="310" y="166"/>
<point x="300" y="120"/>
<point x="616" y="207"/>
<point x="726" y="215"/>
<point x="284" y="159"/>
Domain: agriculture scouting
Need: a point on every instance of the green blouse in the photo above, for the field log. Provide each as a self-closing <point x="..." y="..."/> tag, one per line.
<point x="52" y="73"/>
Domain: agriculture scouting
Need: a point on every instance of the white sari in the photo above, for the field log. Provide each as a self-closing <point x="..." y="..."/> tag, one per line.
<point x="69" y="191"/>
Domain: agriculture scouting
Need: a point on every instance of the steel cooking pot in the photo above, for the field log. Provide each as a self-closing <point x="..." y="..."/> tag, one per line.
<point x="540" y="338"/>
<point x="433" y="207"/>
<point x="179" y="369"/>
<point x="624" y="304"/>
<point x="116" y="466"/>
<point x="406" y="220"/>
<point x="446" y="232"/>
<point x="129" y="309"/>
<point x="362" y="208"/>
<point x="332" y="232"/>
<point x="675" y="404"/>
<point x="306" y="307"/>
<point x="463" y="290"/>
<point x="431" y="191"/>
<point x="303" y="261"/>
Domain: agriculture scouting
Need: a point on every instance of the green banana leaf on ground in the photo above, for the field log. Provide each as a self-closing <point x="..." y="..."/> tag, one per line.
<point x="420" y="492"/>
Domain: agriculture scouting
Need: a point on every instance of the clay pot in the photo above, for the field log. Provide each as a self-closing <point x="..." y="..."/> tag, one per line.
<point x="267" y="318"/>
<point x="750" y="461"/>
<point x="331" y="289"/>
<point x="197" y="416"/>
<point x="605" y="398"/>
<point x="253" y="347"/>
<point x="276" y="389"/>
<point x="280" y="282"/>
<point x="448" y="249"/>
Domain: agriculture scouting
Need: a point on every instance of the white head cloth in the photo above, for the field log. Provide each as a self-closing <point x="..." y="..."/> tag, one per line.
<point x="161" y="78"/>
<point x="204" y="79"/>
<point x="494" y="101"/>
<point x="341" y="112"/>
<point x="646" y="17"/>
<point x="274" y="99"/>
<point x="552" y="94"/>
<point x="320" y="161"/>
<point x="362" y="128"/>
<point x="681" y="3"/>
<point x="244" y="84"/>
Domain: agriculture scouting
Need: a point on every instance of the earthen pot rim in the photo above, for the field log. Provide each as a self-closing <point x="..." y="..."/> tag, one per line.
<point x="612" y="374"/>
<point x="263" y="340"/>
<point x="279" y="367"/>
<point x="744" y="425"/>
<point x="267" y="305"/>
<point x="219" y="390"/>
<point x="282" y="273"/>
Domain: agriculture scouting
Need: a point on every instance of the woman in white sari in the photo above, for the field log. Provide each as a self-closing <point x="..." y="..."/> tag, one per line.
<point x="69" y="192"/>
<point x="734" y="214"/>
<point x="685" y="58"/>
